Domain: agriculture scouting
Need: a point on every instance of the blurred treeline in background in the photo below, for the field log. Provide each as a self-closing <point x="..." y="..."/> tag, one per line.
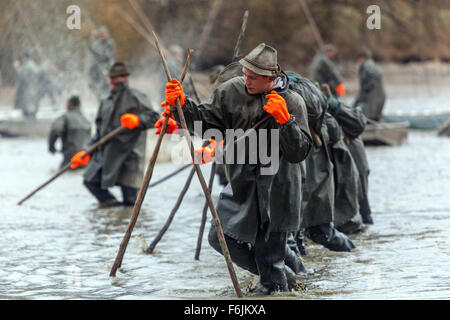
<point x="411" y="30"/>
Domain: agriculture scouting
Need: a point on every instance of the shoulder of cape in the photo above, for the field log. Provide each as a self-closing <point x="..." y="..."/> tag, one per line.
<point x="235" y="83"/>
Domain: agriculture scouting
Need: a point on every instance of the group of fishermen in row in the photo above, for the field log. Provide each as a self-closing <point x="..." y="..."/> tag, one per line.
<point x="34" y="82"/>
<point x="320" y="189"/>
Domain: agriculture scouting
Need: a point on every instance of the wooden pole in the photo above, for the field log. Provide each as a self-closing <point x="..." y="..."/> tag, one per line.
<point x="176" y="207"/>
<point x="154" y="184"/>
<point x="214" y="11"/>
<point x="312" y="23"/>
<point x="194" y="89"/>
<point x="216" y="220"/>
<point x="143" y="188"/>
<point x="204" y="213"/>
<point x="241" y="36"/>
<point x="101" y="142"/>
<point x="136" y="26"/>
<point x="172" y="213"/>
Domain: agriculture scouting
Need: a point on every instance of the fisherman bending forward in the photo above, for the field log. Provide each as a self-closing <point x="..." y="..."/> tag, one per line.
<point x="257" y="209"/>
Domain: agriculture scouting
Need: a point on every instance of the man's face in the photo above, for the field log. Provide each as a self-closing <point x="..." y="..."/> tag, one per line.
<point x="255" y="83"/>
<point x="330" y="54"/>
<point x="361" y="59"/>
<point x="114" y="80"/>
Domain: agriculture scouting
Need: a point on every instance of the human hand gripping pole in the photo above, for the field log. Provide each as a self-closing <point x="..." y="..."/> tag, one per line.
<point x="129" y="121"/>
<point x="172" y="126"/>
<point x="89" y="151"/>
<point x="80" y="159"/>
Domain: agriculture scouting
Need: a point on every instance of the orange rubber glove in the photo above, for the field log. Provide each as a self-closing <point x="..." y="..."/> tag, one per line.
<point x="276" y="106"/>
<point x="171" y="126"/>
<point x="174" y="90"/>
<point x="340" y="90"/>
<point x="79" y="160"/>
<point x="206" y="153"/>
<point x="129" y="120"/>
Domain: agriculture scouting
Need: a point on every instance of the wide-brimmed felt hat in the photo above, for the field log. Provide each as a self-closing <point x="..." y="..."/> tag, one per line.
<point x="262" y="60"/>
<point x="118" y="69"/>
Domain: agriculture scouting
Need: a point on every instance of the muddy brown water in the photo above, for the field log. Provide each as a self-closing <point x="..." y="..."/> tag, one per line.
<point x="60" y="245"/>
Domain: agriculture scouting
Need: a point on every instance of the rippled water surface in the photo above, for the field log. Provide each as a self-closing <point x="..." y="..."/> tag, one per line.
<point x="60" y="245"/>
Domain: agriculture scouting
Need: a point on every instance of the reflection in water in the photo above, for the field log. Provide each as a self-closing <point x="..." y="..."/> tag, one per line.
<point x="59" y="245"/>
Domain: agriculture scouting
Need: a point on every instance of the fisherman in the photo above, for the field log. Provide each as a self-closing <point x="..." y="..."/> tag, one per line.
<point x="323" y="70"/>
<point x="25" y="97"/>
<point x="103" y="55"/>
<point x="120" y="162"/>
<point x="372" y="96"/>
<point x="346" y="176"/>
<point x="318" y="192"/>
<point x="72" y="128"/>
<point x="257" y="209"/>
<point x="351" y="118"/>
<point x="47" y="83"/>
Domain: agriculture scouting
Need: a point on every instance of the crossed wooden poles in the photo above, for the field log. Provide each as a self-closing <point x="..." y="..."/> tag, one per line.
<point x="148" y="175"/>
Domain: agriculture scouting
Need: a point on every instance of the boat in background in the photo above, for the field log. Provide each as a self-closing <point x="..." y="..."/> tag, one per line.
<point x="385" y="134"/>
<point x="423" y="120"/>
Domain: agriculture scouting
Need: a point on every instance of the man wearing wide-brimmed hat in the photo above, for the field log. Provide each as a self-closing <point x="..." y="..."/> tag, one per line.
<point x="120" y="162"/>
<point x="257" y="209"/>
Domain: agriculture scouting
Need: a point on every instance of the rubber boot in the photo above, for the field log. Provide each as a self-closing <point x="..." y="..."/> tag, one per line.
<point x="355" y="225"/>
<point x="241" y="253"/>
<point x="129" y="195"/>
<point x="290" y="277"/>
<point x="300" y="240"/>
<point x="367" y="219"/>
<point x="292" y="243"/>
<point x="269" y="257"/>
<point x="294" y="262"/>
<point x="327" y="236"/>
<point x="109" y="203"/>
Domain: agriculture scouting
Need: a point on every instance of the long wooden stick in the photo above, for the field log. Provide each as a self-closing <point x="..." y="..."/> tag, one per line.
<point x="101" y="142"/>
<point x="144" y="187"/>
<point x="136" y="26"/>
<point x="216" y="220"/>
<point x="154" y="184"/>
<point x="241" y="36"/>
<point x="172" y="213"/>
<point x="214" y="11"/>
<point x="204" y="213"/>
<point x="194" y="89"/>
<point x="312" y="23"/>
